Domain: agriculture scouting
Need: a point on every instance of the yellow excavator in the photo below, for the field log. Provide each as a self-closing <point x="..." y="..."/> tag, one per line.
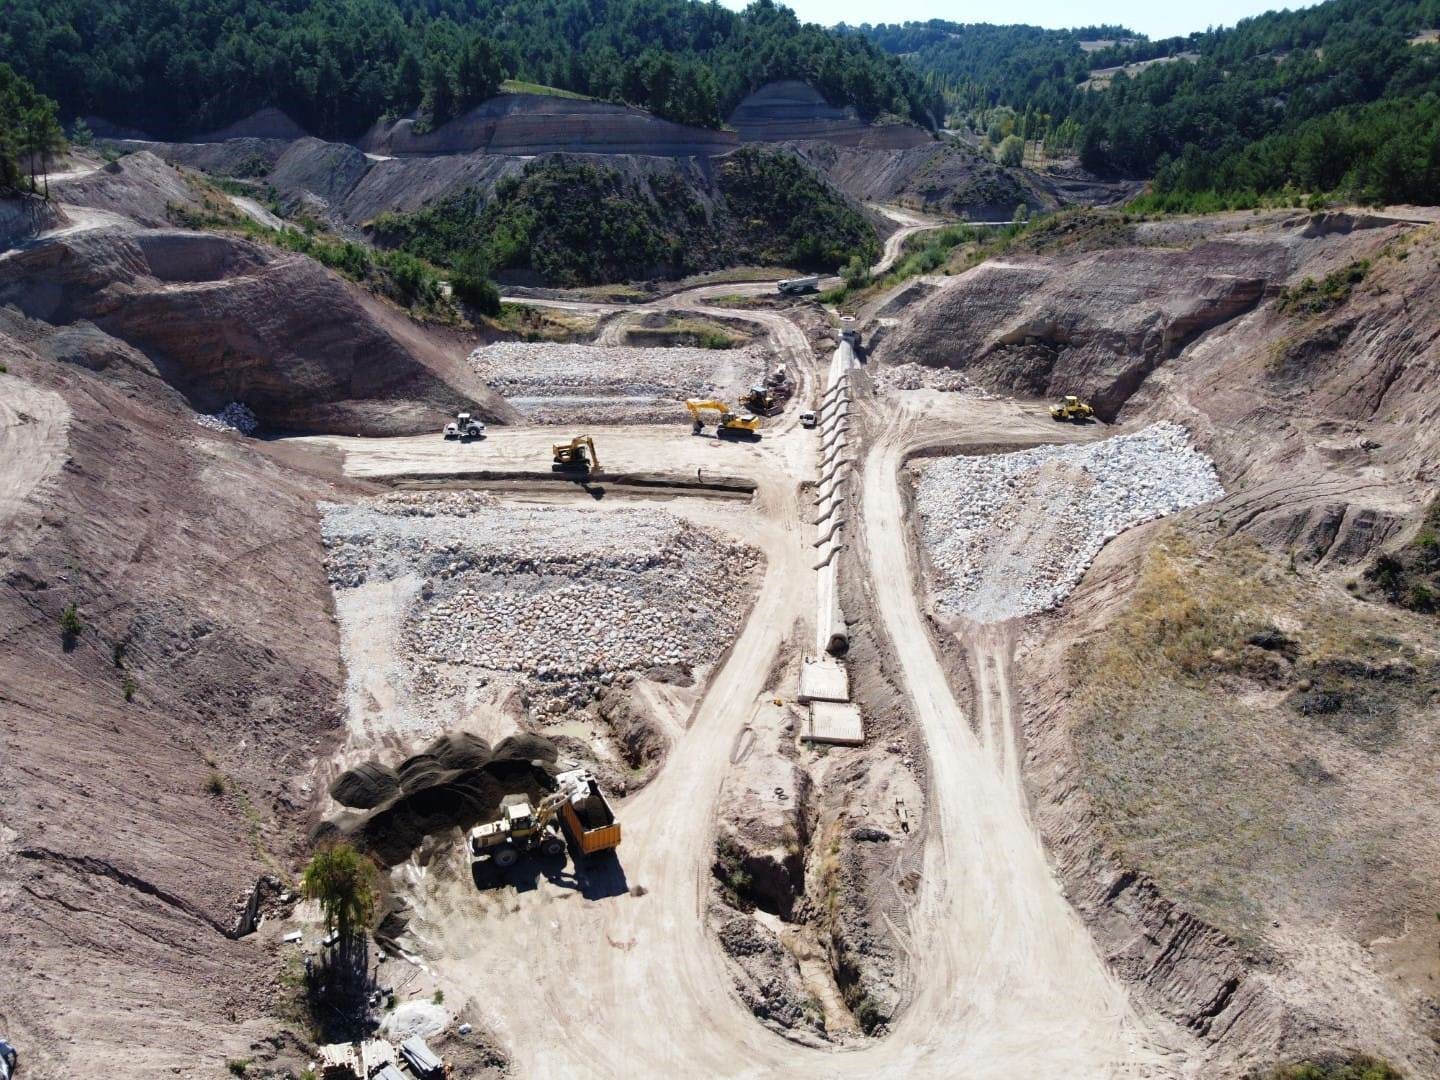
<point x="579" y="454"/>
<point x="730" y="422"/>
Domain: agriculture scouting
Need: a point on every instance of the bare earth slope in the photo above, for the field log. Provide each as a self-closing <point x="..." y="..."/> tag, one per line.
<point x="222" y="319"/>
<point x="189" y="559"/>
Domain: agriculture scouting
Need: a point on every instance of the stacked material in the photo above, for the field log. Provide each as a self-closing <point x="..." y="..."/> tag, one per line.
<point x="1011" y="534"/>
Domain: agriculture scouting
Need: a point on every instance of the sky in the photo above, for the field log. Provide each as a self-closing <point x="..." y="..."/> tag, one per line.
<point x="1166" y="18"/>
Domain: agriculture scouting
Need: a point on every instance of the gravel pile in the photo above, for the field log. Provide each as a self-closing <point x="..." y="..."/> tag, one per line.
<point x="550" y="382"/>
<point x="564" y="598"/>
<point x="233" y="417"/>
<point x="919" y="377"/>
<point x="1011" y="534"/>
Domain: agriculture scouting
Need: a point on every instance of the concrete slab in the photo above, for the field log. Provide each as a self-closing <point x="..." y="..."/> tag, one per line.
<point x="835" y="723"/>
<point x="823" y="678"/>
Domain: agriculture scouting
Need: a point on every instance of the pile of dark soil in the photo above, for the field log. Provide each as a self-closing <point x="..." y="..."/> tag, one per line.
<point x="458" y="780"/>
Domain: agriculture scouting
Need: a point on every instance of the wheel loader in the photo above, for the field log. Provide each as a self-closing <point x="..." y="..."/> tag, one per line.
<point x="520" y="830"/>
<point x="731" y="423"/>
<point x="1072" y="409"/>
<point x="522" y="827"/>
<point x="578" y="454"/>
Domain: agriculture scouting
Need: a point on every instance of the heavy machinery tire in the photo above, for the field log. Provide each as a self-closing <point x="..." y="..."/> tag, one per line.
<point x="552" y="847"/>
<point x="505" y="857"/>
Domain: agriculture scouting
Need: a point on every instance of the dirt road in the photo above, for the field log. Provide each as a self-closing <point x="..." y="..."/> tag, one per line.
<point x="910" y="224"/>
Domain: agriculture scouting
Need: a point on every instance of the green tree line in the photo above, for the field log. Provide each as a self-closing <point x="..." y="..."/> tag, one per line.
<point x="1343" y="96"/>
<point x="30" y="133"/>
<point x="183" y="67"/>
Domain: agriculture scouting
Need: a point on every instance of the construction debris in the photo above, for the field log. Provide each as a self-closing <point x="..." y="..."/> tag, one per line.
<point x="1011" y="534"/>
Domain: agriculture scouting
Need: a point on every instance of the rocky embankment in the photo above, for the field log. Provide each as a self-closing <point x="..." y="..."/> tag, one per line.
<point x="792" y="111"/>
<point x="1009" y="535"/>
<point x="25" y="217"/>
<point x="518" y="125"/>
<point x="1094" y="325"/>
<point x="942" y="177"/>
<point x="151" y="756"/>
<point x="215" y="319"/>
<point x="550" y="382"/>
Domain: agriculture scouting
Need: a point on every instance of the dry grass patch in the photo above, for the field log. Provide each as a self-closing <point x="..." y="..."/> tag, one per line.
<point x="1264" y="746"/>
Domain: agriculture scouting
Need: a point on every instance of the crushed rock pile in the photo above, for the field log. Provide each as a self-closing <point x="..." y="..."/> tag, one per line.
<point x="919" y="377"/>
<point x="233" y="417"/>
<point x="563" y="598"/>
<point x="1012" y="534"/>
<point x="550" y="382"/>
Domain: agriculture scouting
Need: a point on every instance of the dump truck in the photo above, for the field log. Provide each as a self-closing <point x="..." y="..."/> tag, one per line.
<point x="730" y="422"/>
<point x="797" y="285"/>
<point x="464" y="426"/>
<point x="1072" y="409"/>
<point x="578" y="454"/>
<point x="586" y="813"/>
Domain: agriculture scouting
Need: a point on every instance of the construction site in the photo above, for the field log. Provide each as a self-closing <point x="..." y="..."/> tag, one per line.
<point x="807" y="706"/>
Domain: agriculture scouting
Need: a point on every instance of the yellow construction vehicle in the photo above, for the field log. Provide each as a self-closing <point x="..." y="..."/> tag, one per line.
<point x="523" y="827"/>
<point x="520" y="829"/>
<point x="730" y="422"/>
<point x="1072" y="409"/>
<point x="579" y="454"/>
<point x="763" y="401"/>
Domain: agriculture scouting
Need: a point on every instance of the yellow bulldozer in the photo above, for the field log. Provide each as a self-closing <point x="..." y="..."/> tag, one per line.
<point x="745" y="425"/>
<point x="1072" y="409"/>
<point x="578" y="454"/>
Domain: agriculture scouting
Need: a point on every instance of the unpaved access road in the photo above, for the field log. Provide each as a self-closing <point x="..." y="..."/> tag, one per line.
<point x="910" y="224"/>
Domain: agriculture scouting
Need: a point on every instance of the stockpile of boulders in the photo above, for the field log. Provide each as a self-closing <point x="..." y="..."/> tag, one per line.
<point x="233" y="417"/>
<point x="457" y="780"/>
<point x="565" y="598"/>
<point x="552" y="382"/>
<point x="919" y="377"/>
<point x="1012" y="534"/>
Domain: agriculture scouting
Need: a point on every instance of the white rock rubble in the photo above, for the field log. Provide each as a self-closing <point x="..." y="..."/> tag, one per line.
<point x="1012" y="534"/>
<point x="563" y="597"/>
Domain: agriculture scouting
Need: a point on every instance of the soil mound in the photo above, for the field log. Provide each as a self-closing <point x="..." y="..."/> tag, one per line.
<point x="456" y="781"/>
<point x="138" y="186"/>
<point x="366" y="786"/>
